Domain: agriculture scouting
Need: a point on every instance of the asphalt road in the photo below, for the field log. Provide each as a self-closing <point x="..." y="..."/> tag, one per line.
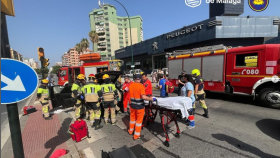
<point x="236" y="128"/>
<point x="3" y="109"/>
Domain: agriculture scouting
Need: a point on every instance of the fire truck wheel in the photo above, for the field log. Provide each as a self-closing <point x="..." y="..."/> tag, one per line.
<point x="270" y="97"/>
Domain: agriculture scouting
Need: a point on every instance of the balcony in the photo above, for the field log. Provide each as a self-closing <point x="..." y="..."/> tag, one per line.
<point x="101" y="47"/>
<point x="102" y="43"/>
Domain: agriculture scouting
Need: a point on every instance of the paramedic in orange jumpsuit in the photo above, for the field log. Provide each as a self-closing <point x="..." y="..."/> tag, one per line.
<point x="126" y="97"/>
<point x="137" y="111"/>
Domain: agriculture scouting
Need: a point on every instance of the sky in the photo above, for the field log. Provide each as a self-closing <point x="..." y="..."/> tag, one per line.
<point x="57" y="25"/>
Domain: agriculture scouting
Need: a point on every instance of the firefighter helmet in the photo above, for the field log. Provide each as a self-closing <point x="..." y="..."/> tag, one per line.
<point x="81" y="77"/>
<point x="45" y="81"/>
<point x="195" y="72"/>
<point x="91" y="75"/>
<point x="105" y="76"/>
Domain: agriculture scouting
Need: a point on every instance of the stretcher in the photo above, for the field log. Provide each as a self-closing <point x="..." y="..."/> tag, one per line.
<point x="171" y="108"/>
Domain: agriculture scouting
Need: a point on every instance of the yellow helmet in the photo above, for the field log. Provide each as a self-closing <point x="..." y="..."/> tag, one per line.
<point x="81" y="77"/>
<point x="195" y="72"/>
<point x="45" y="81"/>
<point x="105" y="76"/>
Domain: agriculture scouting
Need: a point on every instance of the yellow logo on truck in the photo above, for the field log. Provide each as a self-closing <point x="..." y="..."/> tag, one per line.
<point x="251" y="61"/>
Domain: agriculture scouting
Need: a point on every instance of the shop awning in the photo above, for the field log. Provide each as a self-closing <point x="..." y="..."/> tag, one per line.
<point x="7" y="7"/>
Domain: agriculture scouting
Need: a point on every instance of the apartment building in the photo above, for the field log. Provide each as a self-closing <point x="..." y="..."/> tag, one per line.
<point x="113" y="30"/>
<point x="15" y="55"/>
<point x="58" y="63"/>
<point x="31" y="62"/>
<point x="72" y="57"/>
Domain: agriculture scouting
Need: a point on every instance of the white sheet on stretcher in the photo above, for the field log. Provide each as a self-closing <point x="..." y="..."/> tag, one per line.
<point x="176" y="103"/>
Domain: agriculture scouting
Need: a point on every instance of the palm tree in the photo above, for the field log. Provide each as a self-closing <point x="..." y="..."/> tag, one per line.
<point x="78" y="47"/>
<point x="93" y="36"/>
<point x="84" y="44"/>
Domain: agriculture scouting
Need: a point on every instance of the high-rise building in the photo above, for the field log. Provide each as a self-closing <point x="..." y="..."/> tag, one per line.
<point x="113" y="31"/>
<point x="72" y="57"/>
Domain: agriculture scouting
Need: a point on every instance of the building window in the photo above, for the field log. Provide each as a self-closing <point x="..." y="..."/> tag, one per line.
<point x="119" y="24"/>
<point x="107" y="29"/>
<point x="119" y="19"/>
<point x="107" y="24"/>
<point x="120" y="34"/>
<point x="108" y="40"/>
<point x="120" y="29"/>
<point x="108" y="45"/>
<point x="106" y="13"/>
<point x="106" y="8"/>
<point x="124" y="24"/>
<point x="125" y="19"/>
<point x="107" y="34"/>
<point x="121" y="42"/>
<point x="120" y="38"/>
<point x="147" y="64"/>
<point x="121" y="46"/>
<point x="106" y="19"/>
<point x="109" y="50"/>
<point x="246" y="60"/>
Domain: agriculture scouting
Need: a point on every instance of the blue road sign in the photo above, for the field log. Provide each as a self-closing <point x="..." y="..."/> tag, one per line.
<point x="18" y="81"/>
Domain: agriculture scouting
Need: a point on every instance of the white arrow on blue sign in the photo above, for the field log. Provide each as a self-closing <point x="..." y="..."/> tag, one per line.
<point x="18" y="81"/>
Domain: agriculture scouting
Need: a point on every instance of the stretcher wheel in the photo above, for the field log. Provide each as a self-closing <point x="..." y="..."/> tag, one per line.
<point x="177" y="135"/>
<point x="166" y="143"/>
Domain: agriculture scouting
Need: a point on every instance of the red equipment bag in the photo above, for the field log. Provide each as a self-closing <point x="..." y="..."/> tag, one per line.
<point x="78" y="130"/>
<point x="28" y="110"/>
<point x="59" y="153"/>
<point x="169" y="87"/>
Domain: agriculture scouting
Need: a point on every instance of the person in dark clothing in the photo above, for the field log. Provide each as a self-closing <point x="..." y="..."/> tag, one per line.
<point x="181" y="82"/>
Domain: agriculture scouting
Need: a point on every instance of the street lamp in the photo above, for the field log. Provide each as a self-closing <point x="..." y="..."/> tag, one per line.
<point x="130" y="36"/>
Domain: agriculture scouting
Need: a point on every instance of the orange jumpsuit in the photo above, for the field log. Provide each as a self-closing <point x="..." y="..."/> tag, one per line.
<point x="136" y="90"/>
<point x="126" y="96"/>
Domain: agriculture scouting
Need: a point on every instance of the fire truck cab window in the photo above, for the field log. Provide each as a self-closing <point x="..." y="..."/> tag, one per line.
<point x="63" y="73"/>
<point x="246" y="60"/>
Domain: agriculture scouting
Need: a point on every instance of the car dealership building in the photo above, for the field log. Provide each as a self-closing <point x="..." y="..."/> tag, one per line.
<point x="229" y="30"/>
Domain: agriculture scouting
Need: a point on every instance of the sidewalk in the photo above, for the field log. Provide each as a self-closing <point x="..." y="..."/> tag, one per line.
<point x="42" y="137"/>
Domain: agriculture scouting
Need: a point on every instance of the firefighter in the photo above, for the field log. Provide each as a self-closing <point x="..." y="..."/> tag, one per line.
<point x="43" y="96"/>
<point x="92" y="92"/>
<point x="109" y="95"/>
<point x="77" y="94"/>
<point x="199" y="92"/>
<point x="126" y="97"/>
<point x="137" y="111"/>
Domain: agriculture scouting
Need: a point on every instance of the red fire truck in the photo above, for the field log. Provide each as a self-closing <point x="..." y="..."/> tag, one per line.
<point x="253" y="70"/>
<point x="68" y="74"/>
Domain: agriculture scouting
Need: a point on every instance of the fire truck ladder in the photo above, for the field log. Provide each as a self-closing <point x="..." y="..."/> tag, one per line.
<point x="199" y="51"/>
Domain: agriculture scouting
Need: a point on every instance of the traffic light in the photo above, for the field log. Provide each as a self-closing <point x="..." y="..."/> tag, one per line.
<point x="45" y="63"/>
<point x="41" y="54"/>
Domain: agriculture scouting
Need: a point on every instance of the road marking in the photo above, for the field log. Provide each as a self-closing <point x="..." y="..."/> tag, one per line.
<point x="89" y="153"/>
<point x="5" y="132"/>
<point x="216" y="104"/>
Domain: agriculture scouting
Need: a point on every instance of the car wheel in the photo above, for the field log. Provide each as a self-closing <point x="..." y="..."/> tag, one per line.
<point x="270" y="97"/>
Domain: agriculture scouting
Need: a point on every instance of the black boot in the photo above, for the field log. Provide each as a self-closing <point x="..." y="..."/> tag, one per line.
<point x="97" y="124"/>
<point x="205" y="113"/>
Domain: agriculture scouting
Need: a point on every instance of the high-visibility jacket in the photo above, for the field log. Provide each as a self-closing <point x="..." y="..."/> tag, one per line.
<point x="91" y="91"/>
<point x="136" y="90"/>
<point x="126" y="93"/>
<point x="109" y="91"/>
<point x="43" y="94"/>
<point x="76" y="89"/>
<point x="148" y="87"/>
